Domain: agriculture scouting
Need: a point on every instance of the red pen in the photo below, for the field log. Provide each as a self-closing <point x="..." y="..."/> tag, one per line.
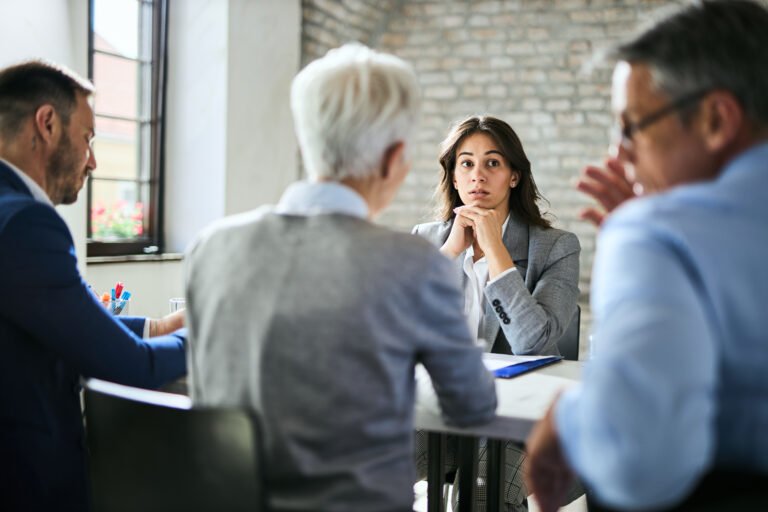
<point x="119" y="289"/>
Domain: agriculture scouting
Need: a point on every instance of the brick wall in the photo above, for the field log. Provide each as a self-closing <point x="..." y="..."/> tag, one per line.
<point x="330" y="23"/>
<point x="520" y="60"/>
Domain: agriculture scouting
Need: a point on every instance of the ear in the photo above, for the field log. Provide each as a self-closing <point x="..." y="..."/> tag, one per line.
<point x="394" y="156"/>
<point x="721" y="119"/>
<point x="514" y="180"/>
<point x="45" y="122"/>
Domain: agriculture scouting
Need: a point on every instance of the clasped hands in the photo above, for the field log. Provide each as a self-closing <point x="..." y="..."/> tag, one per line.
<point x="480" y="227"/>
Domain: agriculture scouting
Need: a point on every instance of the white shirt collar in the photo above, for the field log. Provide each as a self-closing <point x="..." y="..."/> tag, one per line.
<point x="37" y="192"/>
<point x="321" y="197"/>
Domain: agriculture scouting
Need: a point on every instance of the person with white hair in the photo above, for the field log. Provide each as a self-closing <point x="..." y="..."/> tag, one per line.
<point x="327" y="314"/>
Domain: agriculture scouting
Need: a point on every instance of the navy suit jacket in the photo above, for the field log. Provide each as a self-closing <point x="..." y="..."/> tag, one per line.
<point x="52" y="331"/>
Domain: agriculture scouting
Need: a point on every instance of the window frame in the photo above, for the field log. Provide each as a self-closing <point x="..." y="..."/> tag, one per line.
<point x="153" y="242"/>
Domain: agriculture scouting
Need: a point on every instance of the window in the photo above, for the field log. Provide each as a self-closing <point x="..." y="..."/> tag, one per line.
<point x="127" y="65"/>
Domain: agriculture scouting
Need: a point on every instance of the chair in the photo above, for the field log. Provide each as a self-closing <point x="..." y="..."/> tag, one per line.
<point x="153" y="451"/>
<point x="568" y="344"/>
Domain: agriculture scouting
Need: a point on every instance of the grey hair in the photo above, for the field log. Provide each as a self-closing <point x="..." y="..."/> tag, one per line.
<point x="349" y="107"/>
<point x="707" y="45"/>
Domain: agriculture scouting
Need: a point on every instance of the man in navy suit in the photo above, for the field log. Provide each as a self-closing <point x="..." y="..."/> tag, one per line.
<point x="52" y="328"/>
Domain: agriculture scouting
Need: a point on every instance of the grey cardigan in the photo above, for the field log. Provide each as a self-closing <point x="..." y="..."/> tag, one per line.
<point x="526" y="311"/>
<point x="317" y="323"/>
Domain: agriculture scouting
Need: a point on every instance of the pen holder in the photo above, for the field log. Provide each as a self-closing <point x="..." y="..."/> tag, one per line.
<point x="117" y="306"/>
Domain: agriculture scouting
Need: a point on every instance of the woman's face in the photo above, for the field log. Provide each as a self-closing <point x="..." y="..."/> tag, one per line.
<point x="482" y="175"/>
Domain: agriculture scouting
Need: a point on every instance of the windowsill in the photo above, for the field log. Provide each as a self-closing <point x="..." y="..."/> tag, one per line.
<point x="142" y="258"/>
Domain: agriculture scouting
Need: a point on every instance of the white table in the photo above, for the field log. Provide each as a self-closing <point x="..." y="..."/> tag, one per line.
<point x="522" y="401"/>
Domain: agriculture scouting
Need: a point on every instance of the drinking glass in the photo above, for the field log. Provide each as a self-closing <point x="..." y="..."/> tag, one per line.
<point x="178" y="304"/>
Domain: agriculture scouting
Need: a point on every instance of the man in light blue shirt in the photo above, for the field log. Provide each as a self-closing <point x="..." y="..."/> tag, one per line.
<point x="677" y="385"/>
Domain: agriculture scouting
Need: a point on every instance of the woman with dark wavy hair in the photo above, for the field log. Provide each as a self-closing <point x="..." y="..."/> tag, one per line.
<point x="520" y="275"/>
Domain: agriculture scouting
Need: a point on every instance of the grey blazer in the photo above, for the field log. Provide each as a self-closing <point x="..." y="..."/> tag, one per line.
<point x="528" y="310"/>
<point x="317" y="323"/>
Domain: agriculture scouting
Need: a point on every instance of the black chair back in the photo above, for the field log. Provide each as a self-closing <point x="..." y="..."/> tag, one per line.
<point x="153" y="451"/>
<point x="568" y="344"/>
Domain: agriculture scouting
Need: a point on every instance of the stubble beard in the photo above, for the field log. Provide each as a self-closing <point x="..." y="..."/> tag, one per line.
<point x="60" y="171"/>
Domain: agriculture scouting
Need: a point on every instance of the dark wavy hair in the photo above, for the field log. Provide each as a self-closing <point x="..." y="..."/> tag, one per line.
<point x="523" y="199"/>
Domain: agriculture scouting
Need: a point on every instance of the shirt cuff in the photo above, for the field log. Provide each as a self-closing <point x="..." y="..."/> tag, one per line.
<point x="509" y="270"/>
<point x="145" y="334"/>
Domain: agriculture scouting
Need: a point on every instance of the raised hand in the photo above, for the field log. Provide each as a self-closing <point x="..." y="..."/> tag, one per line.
<point x="609" y="186"/>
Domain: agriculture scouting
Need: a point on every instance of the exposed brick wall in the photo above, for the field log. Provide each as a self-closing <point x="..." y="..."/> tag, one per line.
<point x="520" y="60"/>
<point x="327" y="24"/>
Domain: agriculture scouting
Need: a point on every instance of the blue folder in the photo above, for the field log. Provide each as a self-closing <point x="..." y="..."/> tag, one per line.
<point x="516" y="369"/>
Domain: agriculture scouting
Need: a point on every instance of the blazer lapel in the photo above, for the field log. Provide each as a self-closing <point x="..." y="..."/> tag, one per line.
<point x="12" y="180"/>
<point x="515" y="238"/>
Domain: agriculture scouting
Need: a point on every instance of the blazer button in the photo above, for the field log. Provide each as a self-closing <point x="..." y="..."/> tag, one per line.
<point x="503" y="315"/>
<point x="499" y="309"/>
<point x="496" y="302"/>
<point x="506" y="320"/>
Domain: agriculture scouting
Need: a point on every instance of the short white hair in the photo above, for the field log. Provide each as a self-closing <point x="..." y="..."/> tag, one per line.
<point x="349" y="107"/>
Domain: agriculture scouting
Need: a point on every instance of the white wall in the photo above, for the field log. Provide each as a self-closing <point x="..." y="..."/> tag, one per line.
<point x="230" y="141"/>
<point x="151" y="283"/>
<point x="264" y="55"/>
<point x="56" y="30"/>
<point x="196" y="122"/>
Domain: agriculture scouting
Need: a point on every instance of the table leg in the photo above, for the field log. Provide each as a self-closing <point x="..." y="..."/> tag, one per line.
<point x="435" y="471"/>
<point x="495" y="474"/>
<point x="467" y="462"/>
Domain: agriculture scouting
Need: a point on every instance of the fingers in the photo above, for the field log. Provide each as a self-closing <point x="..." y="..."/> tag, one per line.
<point x="463" y="221"/>
<point x="606" y="186"/>
<point x="616" y="167"/>
<point x="592" y="215"/>
<point x="475" y="213"/>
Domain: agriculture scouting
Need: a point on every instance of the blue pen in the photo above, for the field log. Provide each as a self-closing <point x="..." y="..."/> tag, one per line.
<point x="113" y="301"/>
<point x="123" y="301"/>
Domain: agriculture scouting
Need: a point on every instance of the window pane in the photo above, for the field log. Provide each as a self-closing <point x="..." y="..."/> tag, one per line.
<point x="115" y="24"/>
<point x="116" y="82"/>
<point x="118" y="209"/>
<point x="116" y="150"/>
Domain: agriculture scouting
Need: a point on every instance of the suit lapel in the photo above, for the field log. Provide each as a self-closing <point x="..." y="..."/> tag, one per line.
<point x="12" y="180"/>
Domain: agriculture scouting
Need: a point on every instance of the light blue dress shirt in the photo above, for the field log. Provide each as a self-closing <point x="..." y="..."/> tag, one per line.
<point x="679" y="380"/>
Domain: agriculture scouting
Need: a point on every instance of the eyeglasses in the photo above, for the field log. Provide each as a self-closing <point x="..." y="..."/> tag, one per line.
<point x="628" y="130"/>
